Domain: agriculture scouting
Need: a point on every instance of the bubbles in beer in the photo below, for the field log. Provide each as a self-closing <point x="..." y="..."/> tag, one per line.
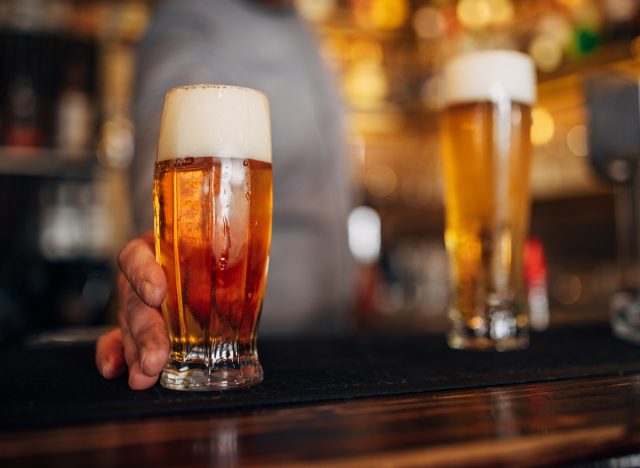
<point x="213" y="248"/>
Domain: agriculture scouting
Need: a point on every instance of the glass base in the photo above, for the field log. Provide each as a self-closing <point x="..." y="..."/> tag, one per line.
<point x="499" y="329"/>
<point x="625" y="315"/>
<point x="197" y="377"/>
<point x="483" y="343"/>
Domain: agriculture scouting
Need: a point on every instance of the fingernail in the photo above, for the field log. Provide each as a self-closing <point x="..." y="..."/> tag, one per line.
<point x="143" y="357"/>
<point x="149" y="293"/>
<point x="106" y="368"/>
<point x="147" y="290"/>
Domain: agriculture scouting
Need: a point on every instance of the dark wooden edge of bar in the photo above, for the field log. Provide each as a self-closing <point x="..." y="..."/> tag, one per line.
<point x="555" y="422"/>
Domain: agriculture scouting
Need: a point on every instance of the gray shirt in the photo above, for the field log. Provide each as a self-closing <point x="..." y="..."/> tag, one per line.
<point x="241" y="43"/>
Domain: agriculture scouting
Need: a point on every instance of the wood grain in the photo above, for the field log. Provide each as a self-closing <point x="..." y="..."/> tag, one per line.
<point x="519" y="425"/>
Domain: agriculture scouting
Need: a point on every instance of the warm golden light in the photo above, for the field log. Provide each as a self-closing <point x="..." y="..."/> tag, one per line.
<point x="389" y="14"/>
<point x="577" y="140"/>
<point x="381" y="181"/>
<point x="316" y="10"/>
<point x="366" y="83"/>
<point x="635" y="48"/>
<point x="476" y="323"/>
<point x="501" y="12"/>
<point x="474" y="14"/>
<point x="543" y="126"/>
<point x="555" y="26"/>
<point x="365" y="50"/>
<point x="546" y="52"/>
<point x="428" y="23"/>
<point x="585" y="12"/>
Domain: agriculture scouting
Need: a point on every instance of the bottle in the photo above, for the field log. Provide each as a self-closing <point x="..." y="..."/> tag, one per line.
<point x="535" y="275"/>
<point x="74" y="115"/>
<point x="23" y="114"/>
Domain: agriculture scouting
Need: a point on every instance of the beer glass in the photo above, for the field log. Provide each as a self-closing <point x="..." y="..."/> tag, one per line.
<point x="212" y="197"/>
<point x="486" y="152"/>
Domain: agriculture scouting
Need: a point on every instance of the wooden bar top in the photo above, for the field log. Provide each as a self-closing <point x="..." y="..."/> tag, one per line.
<point x="557" y="422"/>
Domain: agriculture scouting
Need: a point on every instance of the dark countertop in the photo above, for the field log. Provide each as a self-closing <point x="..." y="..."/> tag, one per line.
<point x="360" y="401"/>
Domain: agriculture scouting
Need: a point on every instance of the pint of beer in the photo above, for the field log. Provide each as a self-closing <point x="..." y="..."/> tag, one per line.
<point x="212" y="199"/>
<point x="486" y="150"/>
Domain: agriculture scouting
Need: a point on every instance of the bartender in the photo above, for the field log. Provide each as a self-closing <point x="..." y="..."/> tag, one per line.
<point x="262" y="45"/>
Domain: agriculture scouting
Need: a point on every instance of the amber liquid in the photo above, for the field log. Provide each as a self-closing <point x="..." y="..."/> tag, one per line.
<point x="486" y="166"/>
<point x="212" y="235"/>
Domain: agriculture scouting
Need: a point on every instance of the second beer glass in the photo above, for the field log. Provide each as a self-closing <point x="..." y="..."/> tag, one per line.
<point x="486" y="148"/>
<point x="212" y="204"/>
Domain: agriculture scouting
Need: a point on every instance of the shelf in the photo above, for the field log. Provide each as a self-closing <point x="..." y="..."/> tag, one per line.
<point x="46" y="163"/>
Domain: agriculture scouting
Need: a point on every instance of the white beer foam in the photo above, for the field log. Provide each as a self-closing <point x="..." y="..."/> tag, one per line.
<point x="490" y="76"/>
<point x="215" y="120"/>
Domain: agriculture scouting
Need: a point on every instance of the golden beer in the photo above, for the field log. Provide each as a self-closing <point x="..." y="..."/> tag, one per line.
<point x="212" y="234"/>
<point x="486" y="158"/>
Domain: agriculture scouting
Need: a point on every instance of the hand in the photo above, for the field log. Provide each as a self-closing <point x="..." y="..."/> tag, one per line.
<point x="141" y="342"/>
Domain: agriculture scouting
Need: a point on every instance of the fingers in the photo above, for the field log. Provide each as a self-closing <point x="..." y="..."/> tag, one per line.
<point x="138" y="380"/>
<point x="144" y="347"/>
<point x="141" y="342"/>
<point x="146" y="329"/>
<point x="109" y="354"/>
<point x="137" y="262"/>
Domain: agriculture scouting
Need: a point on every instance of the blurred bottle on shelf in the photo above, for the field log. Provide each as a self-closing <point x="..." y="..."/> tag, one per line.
<point x="29" y="72"/>
<point x="62" y="230"/>
<point x="535" y="277"/>
<point x="22" y="114"/>
<point x="365" y="243"/>
<point x="74" y="113"/>
<point x="48" y="82"/>
<point x="74" y="223"/>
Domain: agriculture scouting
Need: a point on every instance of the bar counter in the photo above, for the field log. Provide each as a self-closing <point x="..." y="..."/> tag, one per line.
<point x="572" y="398"/>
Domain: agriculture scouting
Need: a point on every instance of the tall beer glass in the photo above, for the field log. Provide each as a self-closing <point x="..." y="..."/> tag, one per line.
<point x="212" y="199"/>
<point x="486" y="150"/>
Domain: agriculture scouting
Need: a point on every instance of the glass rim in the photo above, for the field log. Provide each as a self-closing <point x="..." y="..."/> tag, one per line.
<point x="187" y="87"/>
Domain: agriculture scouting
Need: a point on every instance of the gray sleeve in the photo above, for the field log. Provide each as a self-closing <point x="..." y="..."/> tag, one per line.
<point x="172" y="53"/>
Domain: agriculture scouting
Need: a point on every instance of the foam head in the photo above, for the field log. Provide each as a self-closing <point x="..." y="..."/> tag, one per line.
<point x="215" y="120"/>
<point x="490" y="76"/>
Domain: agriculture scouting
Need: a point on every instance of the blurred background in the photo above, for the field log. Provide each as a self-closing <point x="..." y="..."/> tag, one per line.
<point x="66" y="140"/>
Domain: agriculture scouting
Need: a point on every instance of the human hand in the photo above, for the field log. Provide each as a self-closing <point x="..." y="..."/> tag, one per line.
<point x="140" y="343"/>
